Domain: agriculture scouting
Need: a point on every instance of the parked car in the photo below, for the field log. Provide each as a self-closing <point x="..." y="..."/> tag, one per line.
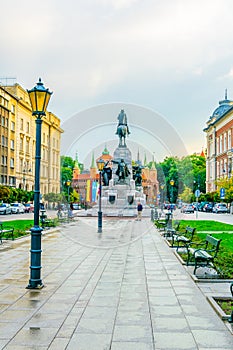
<point x="195" y="205"/>
<point x="76" y="206"/>
<point x="201" y="206"/>
<point x="29" y="208"/>
<point x="5" y="208"/>
<point x="188" y="208"/>
<point x="208" y="208"/>
<point x="220" y="208"/>
<point x="17" y="208"/>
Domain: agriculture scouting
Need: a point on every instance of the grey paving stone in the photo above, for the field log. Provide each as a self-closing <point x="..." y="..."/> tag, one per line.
<point x="103" y="301"/>
<point x="133" y="305"/>
<point x="8" y="330"/>
<point x="44" y="320"/>
<point x="89" y="342"/>
<point x="134" y="333"/>
<point x="212" y="338"/>
<point x="59" y="344"/>
<point x="19" y="316"/>
<point x="105" y="312"/>
<point x="162" y="300"/>
<point x="169" y="311"/>
<point x="131" y="346"/>
<point x="34" y="337"/>
<point x="165" y="324"/>
<point x="133" y="318"/>
<point x="95" y="325"/>
<point x="204" y="321"/>
<point x="174" y="341"/>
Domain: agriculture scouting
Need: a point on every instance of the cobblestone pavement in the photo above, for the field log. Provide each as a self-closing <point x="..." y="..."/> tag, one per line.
<point x="121" y="290"/>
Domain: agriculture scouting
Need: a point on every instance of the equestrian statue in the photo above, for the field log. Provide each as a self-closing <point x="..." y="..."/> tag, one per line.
<point x="122" y="128"/>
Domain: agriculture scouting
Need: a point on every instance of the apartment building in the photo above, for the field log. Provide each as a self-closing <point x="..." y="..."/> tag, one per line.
<point x="18" y="142"/>
<point x="219" y="131"/>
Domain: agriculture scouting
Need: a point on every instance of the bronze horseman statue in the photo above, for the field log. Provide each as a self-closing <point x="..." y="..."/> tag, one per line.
<point x="122" y="128"/>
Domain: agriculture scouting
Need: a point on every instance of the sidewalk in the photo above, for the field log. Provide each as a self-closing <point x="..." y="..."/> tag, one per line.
<point x="122" y="290"/>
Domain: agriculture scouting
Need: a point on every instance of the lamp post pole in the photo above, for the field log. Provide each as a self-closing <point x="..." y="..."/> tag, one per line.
<point x="68" y="190"/>
<point x="100" y="164"/>
<point x="171" y="199"/>
<point x="172" y="184"/>
<point x="39" y="98"/>
<point x="100" y="214"/>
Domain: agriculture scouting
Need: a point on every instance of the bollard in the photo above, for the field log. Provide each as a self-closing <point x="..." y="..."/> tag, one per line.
<point x="43" y="216"/>
<point x="231" y="318"/>
<point x="152" y="214"/>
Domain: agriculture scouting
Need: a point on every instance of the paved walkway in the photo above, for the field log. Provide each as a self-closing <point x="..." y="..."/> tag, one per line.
<point x="123" y="290"/>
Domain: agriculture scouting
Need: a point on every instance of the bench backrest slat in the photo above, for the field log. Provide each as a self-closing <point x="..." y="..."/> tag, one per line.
<point x="214" y="242"/>
<point x="176" y="225"/>
<point x="190" y="231"/>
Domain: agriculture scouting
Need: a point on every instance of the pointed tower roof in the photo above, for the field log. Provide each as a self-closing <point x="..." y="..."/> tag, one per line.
<point x="202" y="153"/>
<point x="145" y="160"/>
<point x="76" y="162"/>
<point x="138" y="156"/>
<point x="93" y="161"/>
<point x="153" y="167"/>
<point x="105" y="151"/>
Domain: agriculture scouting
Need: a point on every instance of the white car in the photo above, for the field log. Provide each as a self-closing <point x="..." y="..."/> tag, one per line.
<point x="220" y="208"/>
<point x="5" y="208"/>
<point x="17" y="208"/>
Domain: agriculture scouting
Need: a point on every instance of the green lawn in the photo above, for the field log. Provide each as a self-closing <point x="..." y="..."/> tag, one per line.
<point x="20" y="226"/>
<point x="206" y="225"/>
<point x="224" y="232"/>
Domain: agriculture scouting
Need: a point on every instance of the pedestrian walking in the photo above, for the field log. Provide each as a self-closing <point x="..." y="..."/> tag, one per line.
<point x="139" y="210"/>
<point x="70" y="211"/>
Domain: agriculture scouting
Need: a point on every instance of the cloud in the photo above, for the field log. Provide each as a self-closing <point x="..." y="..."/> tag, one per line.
<point x="96" y="51"/>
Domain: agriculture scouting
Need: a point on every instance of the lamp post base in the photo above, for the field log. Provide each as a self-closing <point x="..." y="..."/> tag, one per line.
<point x="35" y="281"/>
<point x="99" y="221"/>
<point x="35" y="286"/>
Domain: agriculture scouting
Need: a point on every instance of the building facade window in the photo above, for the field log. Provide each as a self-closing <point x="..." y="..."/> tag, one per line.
<point x="21" y="144"/>
<point x="225" y="143"/>
<point x="12" y="162"/>
<point x="220" y="144"/>
<point x="27" y="146"/>
<point x="12" y="144"/>
<point x="229" y="139"/>
<point x="12" y="126"/>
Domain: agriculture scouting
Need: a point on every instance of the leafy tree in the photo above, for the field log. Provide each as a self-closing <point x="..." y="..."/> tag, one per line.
<point x="4" y="194"/>
<point x="186" y="195"/>
<point x="189" y="171"/>
<point x="226" y="183"/>
<point x="67" y="162"/>
<point x="76" y="196"/>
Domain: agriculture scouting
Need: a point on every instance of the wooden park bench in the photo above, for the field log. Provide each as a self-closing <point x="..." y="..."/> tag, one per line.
<point x="160" y="224"/>
<point x="48" y="223"/>
<point x="172" y="229"/>
<point x="183" y="239"/>
<point x="6" y="232"/>
<point x="203" y="257"/>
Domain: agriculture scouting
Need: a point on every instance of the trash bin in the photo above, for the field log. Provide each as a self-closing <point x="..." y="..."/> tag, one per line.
<point x="152" y="214"/>
<point x="168" y="216"/>
<point x="231" y="208"/>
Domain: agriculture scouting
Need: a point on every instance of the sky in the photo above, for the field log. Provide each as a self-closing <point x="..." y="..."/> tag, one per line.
<point x="170" y="57"/>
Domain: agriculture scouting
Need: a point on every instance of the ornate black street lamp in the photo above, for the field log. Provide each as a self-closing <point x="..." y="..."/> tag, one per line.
<point x="68" y="183"/>
<point x="172" y="182"/>
<point x="39" y="98"/>
<point x="100" y="164"/>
